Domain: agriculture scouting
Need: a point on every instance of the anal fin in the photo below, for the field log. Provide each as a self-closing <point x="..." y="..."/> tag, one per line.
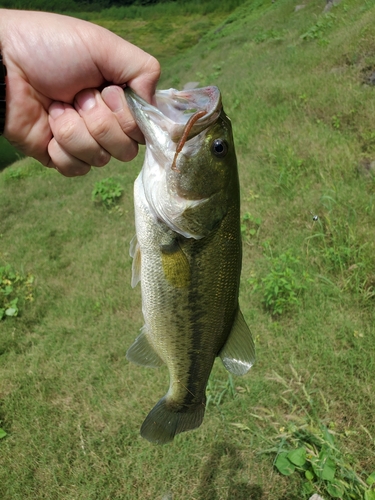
<point x="142" y="353"/>
<point x="238" y="353"/>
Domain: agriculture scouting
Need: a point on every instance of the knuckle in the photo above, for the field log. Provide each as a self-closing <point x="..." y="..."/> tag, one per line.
<point x="98" y="128"/>
<point x="65" y="164"/>
<point x="66" y="132"/>
<point x="153" y="67"/>
<point x="101" y="159"/>
<point x="129" y="126"/>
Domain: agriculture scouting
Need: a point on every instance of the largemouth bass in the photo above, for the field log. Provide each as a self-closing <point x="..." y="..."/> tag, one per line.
<point x="187" y="252"/>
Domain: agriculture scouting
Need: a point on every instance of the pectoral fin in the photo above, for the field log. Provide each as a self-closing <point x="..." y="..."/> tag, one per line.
<point x="175" y="264"/>
<point x="142" y="353"/>
<point x="238" y="354"/>
<point x="135" y="253"/>
<point x="199" y="219"/>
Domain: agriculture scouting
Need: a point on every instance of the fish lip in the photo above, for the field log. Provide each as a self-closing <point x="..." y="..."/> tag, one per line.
<point x="172" y="109"/>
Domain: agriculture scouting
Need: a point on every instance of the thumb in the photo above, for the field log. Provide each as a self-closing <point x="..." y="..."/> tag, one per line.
<point x="122" y="63"/>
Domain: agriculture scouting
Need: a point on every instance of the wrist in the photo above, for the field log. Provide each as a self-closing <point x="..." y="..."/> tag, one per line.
<point x="3" y="73"/>
<point x="3" y="70"/>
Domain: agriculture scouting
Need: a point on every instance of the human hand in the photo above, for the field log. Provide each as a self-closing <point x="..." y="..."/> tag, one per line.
<point x="55" y="110"/>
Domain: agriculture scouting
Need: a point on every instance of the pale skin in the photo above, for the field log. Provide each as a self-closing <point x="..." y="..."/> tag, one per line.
<point x="65" y="104"/>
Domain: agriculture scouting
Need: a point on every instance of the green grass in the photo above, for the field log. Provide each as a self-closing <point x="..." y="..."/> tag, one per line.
<point x="8" y="154"/>
<point x="71" y="405"/>
<point x="162" y="35"/>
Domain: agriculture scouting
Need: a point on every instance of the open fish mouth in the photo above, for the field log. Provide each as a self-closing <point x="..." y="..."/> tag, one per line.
<point x="176" y="115"/>
<point x="175" y="128"/>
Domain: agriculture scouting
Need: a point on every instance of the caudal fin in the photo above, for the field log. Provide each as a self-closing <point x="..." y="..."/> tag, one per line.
<point x="162" y="423"/>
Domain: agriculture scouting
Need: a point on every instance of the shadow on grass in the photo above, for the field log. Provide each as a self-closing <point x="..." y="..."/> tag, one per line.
<point x="225" y="458"/>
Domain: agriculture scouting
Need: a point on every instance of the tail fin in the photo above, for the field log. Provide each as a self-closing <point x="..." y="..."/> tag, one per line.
<point x="163" y="423"/>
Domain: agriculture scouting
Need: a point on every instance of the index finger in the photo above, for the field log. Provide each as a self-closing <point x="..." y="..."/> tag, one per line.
<point x="121" y="62"/>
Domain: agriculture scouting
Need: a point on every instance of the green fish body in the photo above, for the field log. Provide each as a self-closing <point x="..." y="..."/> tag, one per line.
<point x="187" y="253"/>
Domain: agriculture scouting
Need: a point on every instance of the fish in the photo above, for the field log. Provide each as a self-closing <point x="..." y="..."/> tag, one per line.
<point x="187" y="252"/>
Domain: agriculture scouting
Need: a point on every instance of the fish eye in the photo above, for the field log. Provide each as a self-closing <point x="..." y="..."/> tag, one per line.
<point x="219" y="148"/>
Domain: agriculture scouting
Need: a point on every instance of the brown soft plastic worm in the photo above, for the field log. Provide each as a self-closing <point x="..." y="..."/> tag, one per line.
<point x="195" y="117"/>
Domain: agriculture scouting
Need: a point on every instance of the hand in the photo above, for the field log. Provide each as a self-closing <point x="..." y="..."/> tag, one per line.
<point x="55" y="112"/>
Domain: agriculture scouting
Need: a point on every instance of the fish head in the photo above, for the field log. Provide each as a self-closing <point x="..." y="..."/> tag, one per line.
<point x="206" y="162"/>
<point x="190" y="164"/>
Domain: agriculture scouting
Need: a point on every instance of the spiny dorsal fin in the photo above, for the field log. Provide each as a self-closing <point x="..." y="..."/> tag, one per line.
<point x="238" y="354"/>
<point x="142" y="353"/>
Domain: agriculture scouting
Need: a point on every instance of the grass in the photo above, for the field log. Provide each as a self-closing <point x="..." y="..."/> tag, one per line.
<point x="163" y="36"/>
<point x="71" y="405"/>
<point x="8" y="154"/>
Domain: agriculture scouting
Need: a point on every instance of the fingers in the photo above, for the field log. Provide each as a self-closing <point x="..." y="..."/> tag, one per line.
<point x="144" y="83"/>
<point x="109" y="121"/>
<point x="114" y="98"/>
<point x="127" y="64"/>
<point x="72" y="150"/>
<point x="64" y="162"/>
<point x="89" y="134"/>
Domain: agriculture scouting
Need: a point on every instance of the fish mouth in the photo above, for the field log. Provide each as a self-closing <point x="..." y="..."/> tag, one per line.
<point x="176" y="114"/>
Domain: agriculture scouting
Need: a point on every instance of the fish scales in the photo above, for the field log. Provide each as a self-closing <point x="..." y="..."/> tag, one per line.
<point x="189" y="263"/>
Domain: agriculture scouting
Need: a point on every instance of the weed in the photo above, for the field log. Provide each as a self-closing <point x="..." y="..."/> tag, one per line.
<point x="307" y="447"/>
<point x="336" y="122"/>
<point x="23" y="169"/>
<point x="250" y="226"/>
<point x="107" y="191"/>
<point x="284" y="284"/>
<point x="15" y="288"/>
<point x="2" y="433"/>
<point x="216" y="390"/>
<point x="15" y="173"/>
<point x="313" y="453"/>
<point x="318" y="30"/>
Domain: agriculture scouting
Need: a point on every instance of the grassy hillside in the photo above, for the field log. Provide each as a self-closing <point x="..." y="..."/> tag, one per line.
<point x="296" y="86"/>
<point x="164" y="29"/>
